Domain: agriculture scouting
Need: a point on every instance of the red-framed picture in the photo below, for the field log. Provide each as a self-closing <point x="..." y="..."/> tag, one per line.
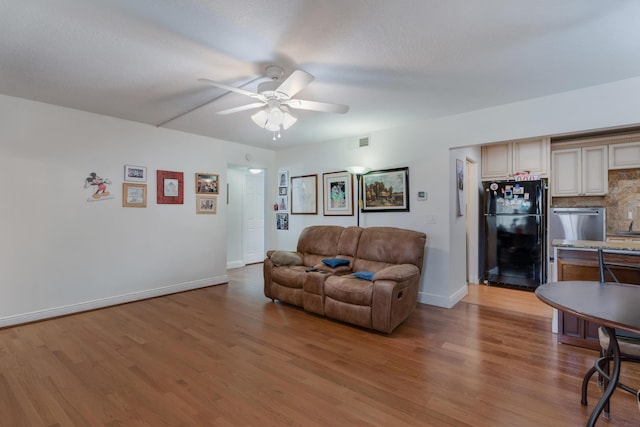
<point x="170" y="188"/>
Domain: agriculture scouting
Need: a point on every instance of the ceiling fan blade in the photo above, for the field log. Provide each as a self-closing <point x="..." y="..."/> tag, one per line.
<point x="241" y="108"/>
<point x="324" y="107"/>
<point x="232" y="89"/>
<point x="294" y="83"/>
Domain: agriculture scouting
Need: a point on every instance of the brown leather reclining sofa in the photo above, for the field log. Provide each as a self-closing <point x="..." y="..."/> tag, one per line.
<point x="390" y="257"/>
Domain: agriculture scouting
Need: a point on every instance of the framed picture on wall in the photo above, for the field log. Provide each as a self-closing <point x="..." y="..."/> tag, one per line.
<point x="170" y="188"/>
<point x="337" y="193"/>
<point x="283" y="179"/>
<point x="207" y="183"/>
<point x="282" y="203"/>
<point x="282" y="221"/>
<point x="386" y="190"/>
<point x="206" y="204"/>
<point x="304" y="195"/>
<point x="134" y="195"/>
<point x="135" y="173"/>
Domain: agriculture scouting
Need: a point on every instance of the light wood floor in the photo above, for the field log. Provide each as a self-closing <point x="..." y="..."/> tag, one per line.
<point x="507" y="299"/>
<point x="227" y="356"/>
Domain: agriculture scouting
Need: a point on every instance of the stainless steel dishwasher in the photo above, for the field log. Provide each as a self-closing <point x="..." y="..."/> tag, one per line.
<point x="576" y="224"/>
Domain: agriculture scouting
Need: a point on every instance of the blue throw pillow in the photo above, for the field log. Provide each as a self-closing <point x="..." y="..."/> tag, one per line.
<point x="366" y="275"/>
<point x="335" y="262"/>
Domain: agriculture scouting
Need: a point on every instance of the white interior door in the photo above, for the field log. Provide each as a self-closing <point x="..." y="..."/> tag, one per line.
<point x="245" y="217"/>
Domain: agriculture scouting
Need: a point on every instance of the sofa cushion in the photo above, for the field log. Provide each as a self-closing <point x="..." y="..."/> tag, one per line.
<point x="279" y="258"/>
<point x="381" y="247"/>
<point x="366" y="275"/>
<point x="318" y="242"/>
<point x="335" y="262"/>
<point x="349" y="289"/>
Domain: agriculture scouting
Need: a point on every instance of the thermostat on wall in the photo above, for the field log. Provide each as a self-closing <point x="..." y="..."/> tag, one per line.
<point x="422" y="195"/>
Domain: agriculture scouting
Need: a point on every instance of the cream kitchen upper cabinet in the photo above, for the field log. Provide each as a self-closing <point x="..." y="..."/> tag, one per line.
<point x="624" y="155"/>
<point x="580" y="171"/>
<point x="503" y="161"/>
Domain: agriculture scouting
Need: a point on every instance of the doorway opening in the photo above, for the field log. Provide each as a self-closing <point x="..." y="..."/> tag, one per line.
<point x="245" y="216"/>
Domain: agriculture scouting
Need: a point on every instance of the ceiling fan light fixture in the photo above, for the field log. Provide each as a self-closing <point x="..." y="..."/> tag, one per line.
<point x="275" y="97"/>
<point x="288" y="120"/>
<point x="272" y="118"/>
<point x="260" y="118"/>
<point x="275" y="115"/>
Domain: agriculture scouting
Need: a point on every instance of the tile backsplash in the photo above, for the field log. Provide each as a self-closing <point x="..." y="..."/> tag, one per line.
<point x="623" y="196"/>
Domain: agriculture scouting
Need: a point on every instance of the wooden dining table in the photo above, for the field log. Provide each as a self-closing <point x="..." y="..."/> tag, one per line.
<point x="613" y="305"/>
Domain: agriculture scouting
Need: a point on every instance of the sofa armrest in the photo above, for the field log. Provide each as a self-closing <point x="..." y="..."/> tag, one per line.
<point x="285" y="258"/>
<point x="395" y="295"/>
<point x="398" y="273"/>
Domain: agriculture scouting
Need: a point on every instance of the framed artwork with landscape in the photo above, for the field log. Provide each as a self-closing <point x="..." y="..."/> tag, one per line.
<point x="386" y="190"/>
<point x="337" y="193"/>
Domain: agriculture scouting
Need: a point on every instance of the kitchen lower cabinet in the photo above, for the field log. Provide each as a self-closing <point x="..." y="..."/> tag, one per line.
<point x="583" y="265"/>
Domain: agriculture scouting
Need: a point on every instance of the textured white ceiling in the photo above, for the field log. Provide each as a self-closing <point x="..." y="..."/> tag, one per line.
<point x="392" y="62"/>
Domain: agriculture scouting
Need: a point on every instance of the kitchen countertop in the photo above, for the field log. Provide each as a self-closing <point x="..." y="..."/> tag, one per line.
<point x="592" y="244"/>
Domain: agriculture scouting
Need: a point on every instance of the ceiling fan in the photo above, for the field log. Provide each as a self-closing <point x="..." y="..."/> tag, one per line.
<point x="276" y="98"/>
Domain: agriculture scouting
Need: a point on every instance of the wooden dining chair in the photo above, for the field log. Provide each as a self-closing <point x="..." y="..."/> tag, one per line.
<point x="629" y="343"/>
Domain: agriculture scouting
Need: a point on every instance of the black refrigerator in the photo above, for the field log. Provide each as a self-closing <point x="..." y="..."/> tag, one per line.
<point x="514" y="233"/>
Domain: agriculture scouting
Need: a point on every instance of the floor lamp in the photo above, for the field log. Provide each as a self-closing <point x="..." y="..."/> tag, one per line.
<point x="358" y="171"/>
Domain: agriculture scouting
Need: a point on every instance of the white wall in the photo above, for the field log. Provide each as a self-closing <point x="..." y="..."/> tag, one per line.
<point x="235" y="179"/>
<point x="425" y="149"/>
<point x="60" y="253"/>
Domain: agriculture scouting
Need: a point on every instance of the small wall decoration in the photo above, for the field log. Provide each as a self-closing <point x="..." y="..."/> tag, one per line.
<point x="99" y="187"/>
<point x="207" y="183"/>
<point x="283" y="179"/>
<point x="206" y="204"/>
<point x="338" y="193"/>
<point x="134" y="195"/>
<point x="135" y="173"/>
<point x="460" y="187"/>
<point x="282" y="203"/>
<point x="304" y="195"/>
<point x="386" y="190"/>
<point x="282" y="191"/>
<point x="170" y="187"/>
<point x="282" y="221"/>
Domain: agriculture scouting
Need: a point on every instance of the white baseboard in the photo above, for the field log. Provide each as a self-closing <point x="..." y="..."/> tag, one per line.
<point x="109" y="301"/>
<point x="442" y="301"/>
<point x="235" y="264"/>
